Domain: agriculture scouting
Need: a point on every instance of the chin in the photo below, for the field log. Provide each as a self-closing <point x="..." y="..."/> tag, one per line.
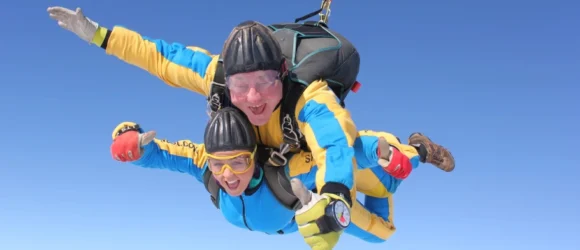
<point x="259" y="121"/>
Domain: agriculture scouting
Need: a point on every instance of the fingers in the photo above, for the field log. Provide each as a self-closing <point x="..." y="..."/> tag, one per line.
<point x="301" y="192"/>
<point x="62" y="25"/>
<point x="146" y="138"/>
<point x="59" y="11"/>
<point x="60" y="14"/>
<point x="79" y="13"/>
<point x="121" y="157"/>
<point x="125" y="157"/>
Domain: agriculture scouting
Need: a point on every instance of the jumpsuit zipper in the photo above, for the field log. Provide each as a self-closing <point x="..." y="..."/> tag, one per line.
<point x="244" y="213"/>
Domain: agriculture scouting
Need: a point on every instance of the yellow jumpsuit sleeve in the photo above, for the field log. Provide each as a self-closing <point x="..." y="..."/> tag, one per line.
<point x="178" y="66"/>
<point x="330" y="133"/>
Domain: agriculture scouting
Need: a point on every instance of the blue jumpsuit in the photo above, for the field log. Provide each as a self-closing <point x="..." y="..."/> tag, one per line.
<point x="257" y="209"/>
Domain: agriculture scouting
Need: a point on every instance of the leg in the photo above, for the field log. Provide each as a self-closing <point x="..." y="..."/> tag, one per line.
<point x="432" y="153"/>
<point x="373" y="147"/>
<point x="373" y="221"/>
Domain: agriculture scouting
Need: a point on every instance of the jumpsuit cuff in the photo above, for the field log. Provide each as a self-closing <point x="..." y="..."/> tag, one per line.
<point x="101" y="37"/>
<point x="337" y="189"/>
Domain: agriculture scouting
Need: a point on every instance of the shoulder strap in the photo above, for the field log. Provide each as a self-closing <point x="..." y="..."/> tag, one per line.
<point x="279" y="184"/>
<point x="217" y="89"/>
<point x="274" y="171"/>
<point x="276" y="178"/>
<point x="290" y="129"/>
<point x="212" y="187"/>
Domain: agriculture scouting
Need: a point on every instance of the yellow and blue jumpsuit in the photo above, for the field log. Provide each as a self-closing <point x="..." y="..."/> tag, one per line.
<point x="329" y="130"/>
<point x="257" y="209"/>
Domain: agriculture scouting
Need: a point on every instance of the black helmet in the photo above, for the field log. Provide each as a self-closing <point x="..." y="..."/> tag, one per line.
<point x="251" y="47"/>
<point x="228" y="130"/>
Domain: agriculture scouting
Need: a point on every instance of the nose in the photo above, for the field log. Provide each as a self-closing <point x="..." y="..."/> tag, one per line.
<point x="227" y="174"/>
<point x="253" y="95"/>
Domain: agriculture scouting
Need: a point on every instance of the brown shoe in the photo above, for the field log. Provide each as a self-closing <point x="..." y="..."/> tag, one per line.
<point x="436" y="154"/>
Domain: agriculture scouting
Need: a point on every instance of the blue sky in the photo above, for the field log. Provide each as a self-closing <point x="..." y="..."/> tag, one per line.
<point x="495" y="81"/>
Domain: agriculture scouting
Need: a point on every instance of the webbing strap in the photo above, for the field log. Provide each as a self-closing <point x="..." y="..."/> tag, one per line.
<point x="217" y="90"/>
<point x="212" y="187"/>
<point x="292" y="135"/>
<point x="276" y="178"/>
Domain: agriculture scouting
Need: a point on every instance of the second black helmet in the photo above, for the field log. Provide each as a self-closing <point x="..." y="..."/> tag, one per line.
<point x="228" y="130"/>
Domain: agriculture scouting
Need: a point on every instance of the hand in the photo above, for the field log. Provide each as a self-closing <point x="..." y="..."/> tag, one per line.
<point x="128" y="142"/>
<point x="311" y="218"/>
<point x="74" y="21"/>
<point x="393" y="161"/>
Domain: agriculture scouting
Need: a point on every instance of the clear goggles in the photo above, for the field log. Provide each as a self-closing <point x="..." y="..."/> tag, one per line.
<point x="241" y="85"/>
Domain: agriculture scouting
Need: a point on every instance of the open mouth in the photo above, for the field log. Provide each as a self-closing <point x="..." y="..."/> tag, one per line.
<point x="258" y="110"/>
<point x="233" y="185"/>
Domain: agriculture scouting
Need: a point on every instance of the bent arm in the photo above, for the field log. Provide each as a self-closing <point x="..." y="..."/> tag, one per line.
<point x="178" y="66"/>
<point x="302" y="166"/>
<point x="183" y="156"/>
<point x="330" y="133"/>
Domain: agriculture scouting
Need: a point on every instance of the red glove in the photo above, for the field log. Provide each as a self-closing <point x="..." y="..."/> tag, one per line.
<point x="126" y="147"/>
<point x="393" y="161"/>
<point x="128" y="140"/>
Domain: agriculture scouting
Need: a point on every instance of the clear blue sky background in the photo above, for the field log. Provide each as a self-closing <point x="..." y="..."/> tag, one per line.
<point x="495" y="81"/>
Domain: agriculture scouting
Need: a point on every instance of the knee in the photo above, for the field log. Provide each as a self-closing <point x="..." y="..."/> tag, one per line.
<point x="374" y="239"/>
<point x="387" y="181"/>
<point x="368" y="236"/>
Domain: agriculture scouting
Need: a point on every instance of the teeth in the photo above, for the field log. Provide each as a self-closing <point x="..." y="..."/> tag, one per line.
<point x="232" y="182"/>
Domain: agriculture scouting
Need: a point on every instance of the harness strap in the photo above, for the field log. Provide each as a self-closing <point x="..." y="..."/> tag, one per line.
<point x="276" y="177"/>
<point x="217" y="90"/>
<point x="212" y="187"/>
<point x="292" y="135"/>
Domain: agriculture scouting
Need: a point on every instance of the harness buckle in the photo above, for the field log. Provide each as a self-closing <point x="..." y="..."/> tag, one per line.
<point x="277" y="159"/>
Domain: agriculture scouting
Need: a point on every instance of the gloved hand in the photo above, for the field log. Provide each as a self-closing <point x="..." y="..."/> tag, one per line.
<point x="393" y="161"/>
<point x="74" y="21"/>
<point x="128" y="141"/>
<point x="320" y="220"/>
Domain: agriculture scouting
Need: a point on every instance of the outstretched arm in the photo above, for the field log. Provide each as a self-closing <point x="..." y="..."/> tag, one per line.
<point x="131" y="144"/>
<point x="330" y="133"/>
<point x="179" y="66"/>
<point x="191" y="68"/>
<point x="183" y="156"/>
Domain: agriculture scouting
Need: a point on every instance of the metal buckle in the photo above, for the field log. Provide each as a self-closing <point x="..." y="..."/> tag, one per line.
<point x="277" y="159"/>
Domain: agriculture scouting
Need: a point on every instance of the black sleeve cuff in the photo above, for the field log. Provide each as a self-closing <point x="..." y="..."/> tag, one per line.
<point x="106" y="40"/>
<point x="337" y="189"/>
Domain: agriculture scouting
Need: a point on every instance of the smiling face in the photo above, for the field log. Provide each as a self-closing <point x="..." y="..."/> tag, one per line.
<point x="233" y="170"/>
<point x="256" y="94"/>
